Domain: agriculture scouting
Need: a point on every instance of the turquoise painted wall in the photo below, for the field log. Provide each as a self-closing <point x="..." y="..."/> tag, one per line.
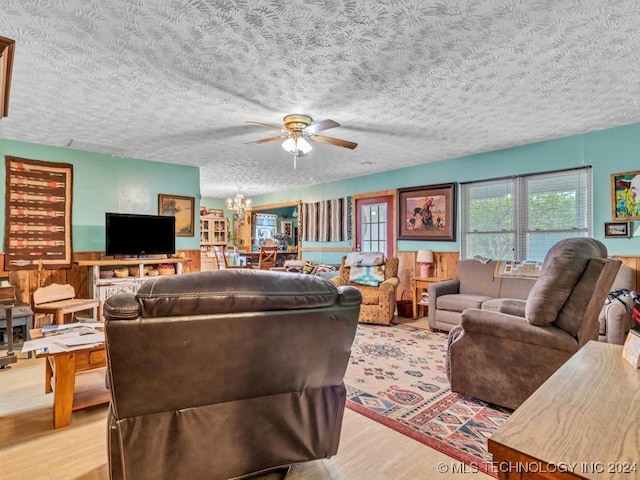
<point x="608" y="151"/>
<point x="102" y="183"/>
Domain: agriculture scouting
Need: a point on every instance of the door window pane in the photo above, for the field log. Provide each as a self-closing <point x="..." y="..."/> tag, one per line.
<point x="374" y="228"/>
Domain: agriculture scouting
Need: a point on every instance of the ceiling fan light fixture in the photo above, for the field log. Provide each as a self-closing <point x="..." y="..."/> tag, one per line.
<point x="297" y="147"/>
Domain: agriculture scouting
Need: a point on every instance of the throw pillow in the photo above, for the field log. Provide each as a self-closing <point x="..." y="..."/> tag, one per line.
<point x="322" y="268"/>
<point x="309" y="267"/>
<point x="294" y="266"/>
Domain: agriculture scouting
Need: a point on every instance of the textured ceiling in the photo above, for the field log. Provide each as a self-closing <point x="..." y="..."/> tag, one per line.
<point x="411" y="81"/>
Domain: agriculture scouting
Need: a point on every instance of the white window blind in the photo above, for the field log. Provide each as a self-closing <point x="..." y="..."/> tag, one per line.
<point x="521" y="217"/>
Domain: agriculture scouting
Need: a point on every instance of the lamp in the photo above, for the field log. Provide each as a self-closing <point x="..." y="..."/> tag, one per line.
<point x="239" y="204"/>
<point x="425" y="260"/>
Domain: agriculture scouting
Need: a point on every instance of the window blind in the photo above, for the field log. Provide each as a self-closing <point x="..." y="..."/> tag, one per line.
<point x="521" y="217"/>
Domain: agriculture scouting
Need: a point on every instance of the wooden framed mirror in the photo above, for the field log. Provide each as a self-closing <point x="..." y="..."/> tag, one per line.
<point x="7" y="47"/>
<point x="277" y="221"/>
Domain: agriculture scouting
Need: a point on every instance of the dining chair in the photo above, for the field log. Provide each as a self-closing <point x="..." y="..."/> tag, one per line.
<point x="222" y="259"/>
<point x="268" y="257"/>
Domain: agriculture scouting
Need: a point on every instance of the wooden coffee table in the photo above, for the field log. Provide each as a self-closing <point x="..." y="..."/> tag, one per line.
<point x="76" y="378"/>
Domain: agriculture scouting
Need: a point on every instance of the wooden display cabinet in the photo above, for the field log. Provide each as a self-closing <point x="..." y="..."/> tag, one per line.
<point x="213" y="230"/>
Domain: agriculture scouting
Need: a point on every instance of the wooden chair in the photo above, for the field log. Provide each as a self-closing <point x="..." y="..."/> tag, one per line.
<point x="268" y="257"/>
<point x="59" y="300"/>
<point x="221" y="257"/>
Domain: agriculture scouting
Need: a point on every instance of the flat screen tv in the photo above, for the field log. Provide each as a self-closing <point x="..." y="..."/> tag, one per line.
<point x="131" y="234"/>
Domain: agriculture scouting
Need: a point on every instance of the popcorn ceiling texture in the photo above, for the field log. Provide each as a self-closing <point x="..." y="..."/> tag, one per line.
<point x="411" y="81"/>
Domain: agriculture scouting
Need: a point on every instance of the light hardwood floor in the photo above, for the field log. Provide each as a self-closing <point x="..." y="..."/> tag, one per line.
<point x="31" y="449"/>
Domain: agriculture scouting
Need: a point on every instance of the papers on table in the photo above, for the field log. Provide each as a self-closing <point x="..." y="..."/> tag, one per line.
<point x="67" y="337"/>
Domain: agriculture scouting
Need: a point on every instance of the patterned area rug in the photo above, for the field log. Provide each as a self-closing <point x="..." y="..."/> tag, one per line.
<point x="396" y="376"/>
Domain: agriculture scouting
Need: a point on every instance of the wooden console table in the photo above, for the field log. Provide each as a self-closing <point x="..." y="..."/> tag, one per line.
<point x="581" y="423"/>
<point x="103" y="288"/>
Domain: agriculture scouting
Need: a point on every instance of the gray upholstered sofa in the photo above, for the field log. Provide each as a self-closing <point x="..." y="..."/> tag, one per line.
<point x="474" y="286"/>
<point x="615" y="319"/>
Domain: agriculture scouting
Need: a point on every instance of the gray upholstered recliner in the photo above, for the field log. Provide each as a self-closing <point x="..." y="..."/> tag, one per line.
<point x="503" y="357"/>
<point x="227" y="373"/>
<point x="615" y="318"/>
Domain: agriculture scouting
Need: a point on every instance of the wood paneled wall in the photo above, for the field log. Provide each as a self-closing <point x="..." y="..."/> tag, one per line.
<point x="26" y="281"/>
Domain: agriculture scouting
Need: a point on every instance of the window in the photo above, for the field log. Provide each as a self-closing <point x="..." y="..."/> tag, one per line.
<point x="522" y="217"/>
<point x="374" y="228"/>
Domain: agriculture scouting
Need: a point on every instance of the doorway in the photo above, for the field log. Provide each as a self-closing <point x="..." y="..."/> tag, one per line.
<point x="374" y="224"/>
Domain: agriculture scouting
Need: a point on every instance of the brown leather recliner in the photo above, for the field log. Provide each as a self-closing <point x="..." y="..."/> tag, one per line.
<point x="226" y="373"/>
<point x="503" y="356"/>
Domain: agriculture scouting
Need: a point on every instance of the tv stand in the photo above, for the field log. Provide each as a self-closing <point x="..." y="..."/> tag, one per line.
<point x="103" y="288"/>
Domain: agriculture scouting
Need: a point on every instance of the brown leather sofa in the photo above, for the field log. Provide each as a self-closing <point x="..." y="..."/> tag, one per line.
<point x="226" y="373"/>
<point x="503" y="356"/>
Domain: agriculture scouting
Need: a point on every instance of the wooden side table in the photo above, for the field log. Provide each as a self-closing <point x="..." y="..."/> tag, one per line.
<point x="417" y="285"/>
<point x="76" y="378"/>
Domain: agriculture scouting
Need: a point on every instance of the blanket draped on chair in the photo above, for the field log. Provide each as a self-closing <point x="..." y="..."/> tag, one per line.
<point x="366" y="268"/>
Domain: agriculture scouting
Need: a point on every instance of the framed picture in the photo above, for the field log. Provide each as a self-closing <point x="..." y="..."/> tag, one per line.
<point x="218" y="212"/>
<point x="626" y="206"/>
<point x="180" y="207"/>
<point x="427" y="213"/>
<point x="286" y="228"/>
<point x="617" y="229"/>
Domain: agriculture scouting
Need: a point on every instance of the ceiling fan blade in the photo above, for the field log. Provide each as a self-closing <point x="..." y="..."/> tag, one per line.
<point x="265" y="140"/>
<point x="334" y="141"/>
<point x="319" y="126"/>
<point x="267" y="125"/>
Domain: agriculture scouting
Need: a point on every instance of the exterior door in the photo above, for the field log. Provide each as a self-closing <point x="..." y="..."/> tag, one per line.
<point x="374" y="225"/>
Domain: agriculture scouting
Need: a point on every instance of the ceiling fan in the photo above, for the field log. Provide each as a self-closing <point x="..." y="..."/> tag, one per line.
<point x="297" y="130"/>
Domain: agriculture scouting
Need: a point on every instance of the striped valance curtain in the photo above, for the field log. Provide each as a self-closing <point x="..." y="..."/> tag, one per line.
<point x="327" y="221"/>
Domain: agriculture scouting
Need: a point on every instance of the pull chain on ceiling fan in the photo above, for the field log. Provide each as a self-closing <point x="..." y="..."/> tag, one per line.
<point x="298" y="130"/>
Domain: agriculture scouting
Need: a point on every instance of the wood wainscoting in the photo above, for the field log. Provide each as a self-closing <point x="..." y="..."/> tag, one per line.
<point x="27" y="281"/>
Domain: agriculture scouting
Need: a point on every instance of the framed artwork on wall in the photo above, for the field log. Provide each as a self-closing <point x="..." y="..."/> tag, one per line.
<point x="427" y="213"/>
<point x="286" y="228"/>
<point x="180" y="207"/>
<point x="617" y="229"/>
<point x="625" y="196"/>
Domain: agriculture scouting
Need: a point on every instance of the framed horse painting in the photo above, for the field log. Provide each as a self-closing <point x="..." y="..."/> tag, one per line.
<point x="427" y="213"/>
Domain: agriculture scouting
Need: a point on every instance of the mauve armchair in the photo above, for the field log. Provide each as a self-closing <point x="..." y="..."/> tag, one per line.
<point x="503" y="357"/>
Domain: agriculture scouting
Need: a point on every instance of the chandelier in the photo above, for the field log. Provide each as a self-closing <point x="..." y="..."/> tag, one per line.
<point x="239" y="204"/>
